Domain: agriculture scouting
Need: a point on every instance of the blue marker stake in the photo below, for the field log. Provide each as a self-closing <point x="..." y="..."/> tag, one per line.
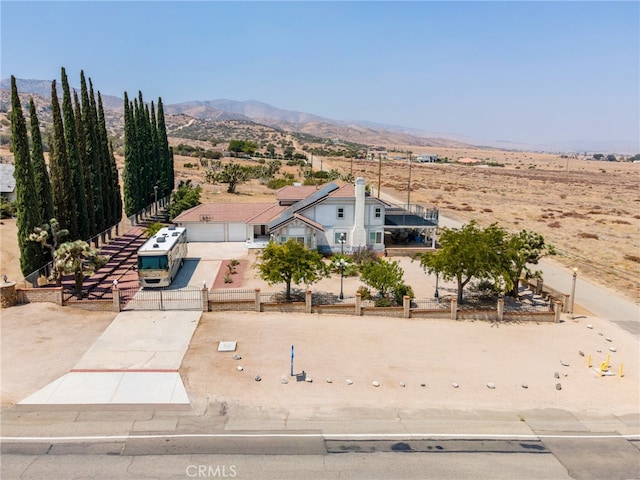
<point x="292" y="355"/>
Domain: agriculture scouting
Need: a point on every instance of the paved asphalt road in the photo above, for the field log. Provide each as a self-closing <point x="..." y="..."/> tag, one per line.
<point x="290" y="457"/>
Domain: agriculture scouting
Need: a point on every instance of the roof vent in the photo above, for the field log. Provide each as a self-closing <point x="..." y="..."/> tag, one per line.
<point x="161" y="239"/>
<point x="155" y="245"/>
<point x="172" y="227"/>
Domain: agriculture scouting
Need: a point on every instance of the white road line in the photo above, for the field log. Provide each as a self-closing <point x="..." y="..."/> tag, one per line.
<point x="335" y="436"/>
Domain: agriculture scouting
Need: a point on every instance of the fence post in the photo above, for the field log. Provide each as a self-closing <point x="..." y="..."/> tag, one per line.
<point x="358" y="304"/>
<point x="539" y="286"/>
<point x="500" y="309"/>
<point x="557" y="309"/>
<point x="116" y="299"/>
<point x="257" y="300"/>
<point x="60" y="296"/>
<point x="307" y="301"/>
<point x="205" y="299"/>
<point x="406" y="306"/>
<point x="565" y="303"/>
<point x="454" y="309"/>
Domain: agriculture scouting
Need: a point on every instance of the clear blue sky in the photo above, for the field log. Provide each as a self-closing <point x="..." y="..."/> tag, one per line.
<point x="536" y="72"/>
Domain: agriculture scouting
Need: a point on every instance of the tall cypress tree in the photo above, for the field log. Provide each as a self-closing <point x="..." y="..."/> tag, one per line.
<point x="77" y="177"/>
<point x="130" y="173"/>
<point x="64" y="204"/>
<point x="142" y="187"/>
<point x="166" y="157"/>
<point x="106" y="214"/>
<point x="85" y="167"/>
<point x="105" y="167"/>
<point x="116" y="205"/>
<point x="27" y="211"/>
<point x="42" y="184"/>
<point x="155" y="148"/>
<point x="90" y="124"/>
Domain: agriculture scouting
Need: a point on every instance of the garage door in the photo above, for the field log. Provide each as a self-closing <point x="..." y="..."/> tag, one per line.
<point x="205" y="232"/>
<point x="237" y="232"/>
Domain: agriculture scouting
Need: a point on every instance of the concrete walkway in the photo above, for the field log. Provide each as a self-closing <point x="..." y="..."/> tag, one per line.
<point x="135" y="361"/>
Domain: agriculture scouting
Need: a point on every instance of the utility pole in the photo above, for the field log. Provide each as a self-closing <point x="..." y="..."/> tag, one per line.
<point x="379" y="172"/>
<point x="409" y="185"/>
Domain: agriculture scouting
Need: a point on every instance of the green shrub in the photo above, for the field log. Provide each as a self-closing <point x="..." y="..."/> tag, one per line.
<point x="383" y="302"/>
<point x="364" y="292"/>
<point x="400" y="291"/>
<point x="277" y="183"/>
<point x="7" y="208"/>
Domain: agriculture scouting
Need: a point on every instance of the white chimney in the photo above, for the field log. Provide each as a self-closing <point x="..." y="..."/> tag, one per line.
<point x="359" y="233"/>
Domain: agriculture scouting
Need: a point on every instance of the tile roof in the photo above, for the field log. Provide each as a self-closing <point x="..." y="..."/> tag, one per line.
<point x="225" y="212"/>
<point x="348" y="190"/>
<point x="292" y="192"/>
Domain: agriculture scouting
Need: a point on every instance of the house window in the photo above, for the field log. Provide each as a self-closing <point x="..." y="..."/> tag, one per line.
<point x="378" y="212"/>
<point x="375" y="237"/>
<point x="340" y="212"/>
<point x="338" y="236"/>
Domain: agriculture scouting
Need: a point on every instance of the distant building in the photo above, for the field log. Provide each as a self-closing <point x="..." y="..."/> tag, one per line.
<point x="7" y="181"/>
<point x="426" y="158"/>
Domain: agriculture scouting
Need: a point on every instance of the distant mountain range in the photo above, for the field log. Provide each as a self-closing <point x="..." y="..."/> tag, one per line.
<point x="355" y="131"/>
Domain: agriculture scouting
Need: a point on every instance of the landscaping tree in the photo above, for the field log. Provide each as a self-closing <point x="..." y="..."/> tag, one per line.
<point x="76" y="181"/>
<point x="89" y="123"/>
<point x="385" y="276"/>
<point x="466" y="253"/>
<point x="152" y="229"/>
<point x="63" y="198"/>
<point x="521" y="249"/>
<point x="288" y="263"/>
<point x="166" y="154"/>
<point x="49" y="235"/>
<point x="42" y="184"/>
<point x="26" y="205"/>
<point x="85" y="167"/>
<point x="78" y="258"/>
<point x="185" y="197"/>
<point x="112" y="198"/>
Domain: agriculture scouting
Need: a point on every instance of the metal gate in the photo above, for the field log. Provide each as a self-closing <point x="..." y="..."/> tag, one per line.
<point x="188" y="298"/>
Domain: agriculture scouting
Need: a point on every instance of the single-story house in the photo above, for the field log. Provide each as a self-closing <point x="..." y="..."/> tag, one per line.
<point x="329" y="218"/>
<point x="427" y="158"/>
